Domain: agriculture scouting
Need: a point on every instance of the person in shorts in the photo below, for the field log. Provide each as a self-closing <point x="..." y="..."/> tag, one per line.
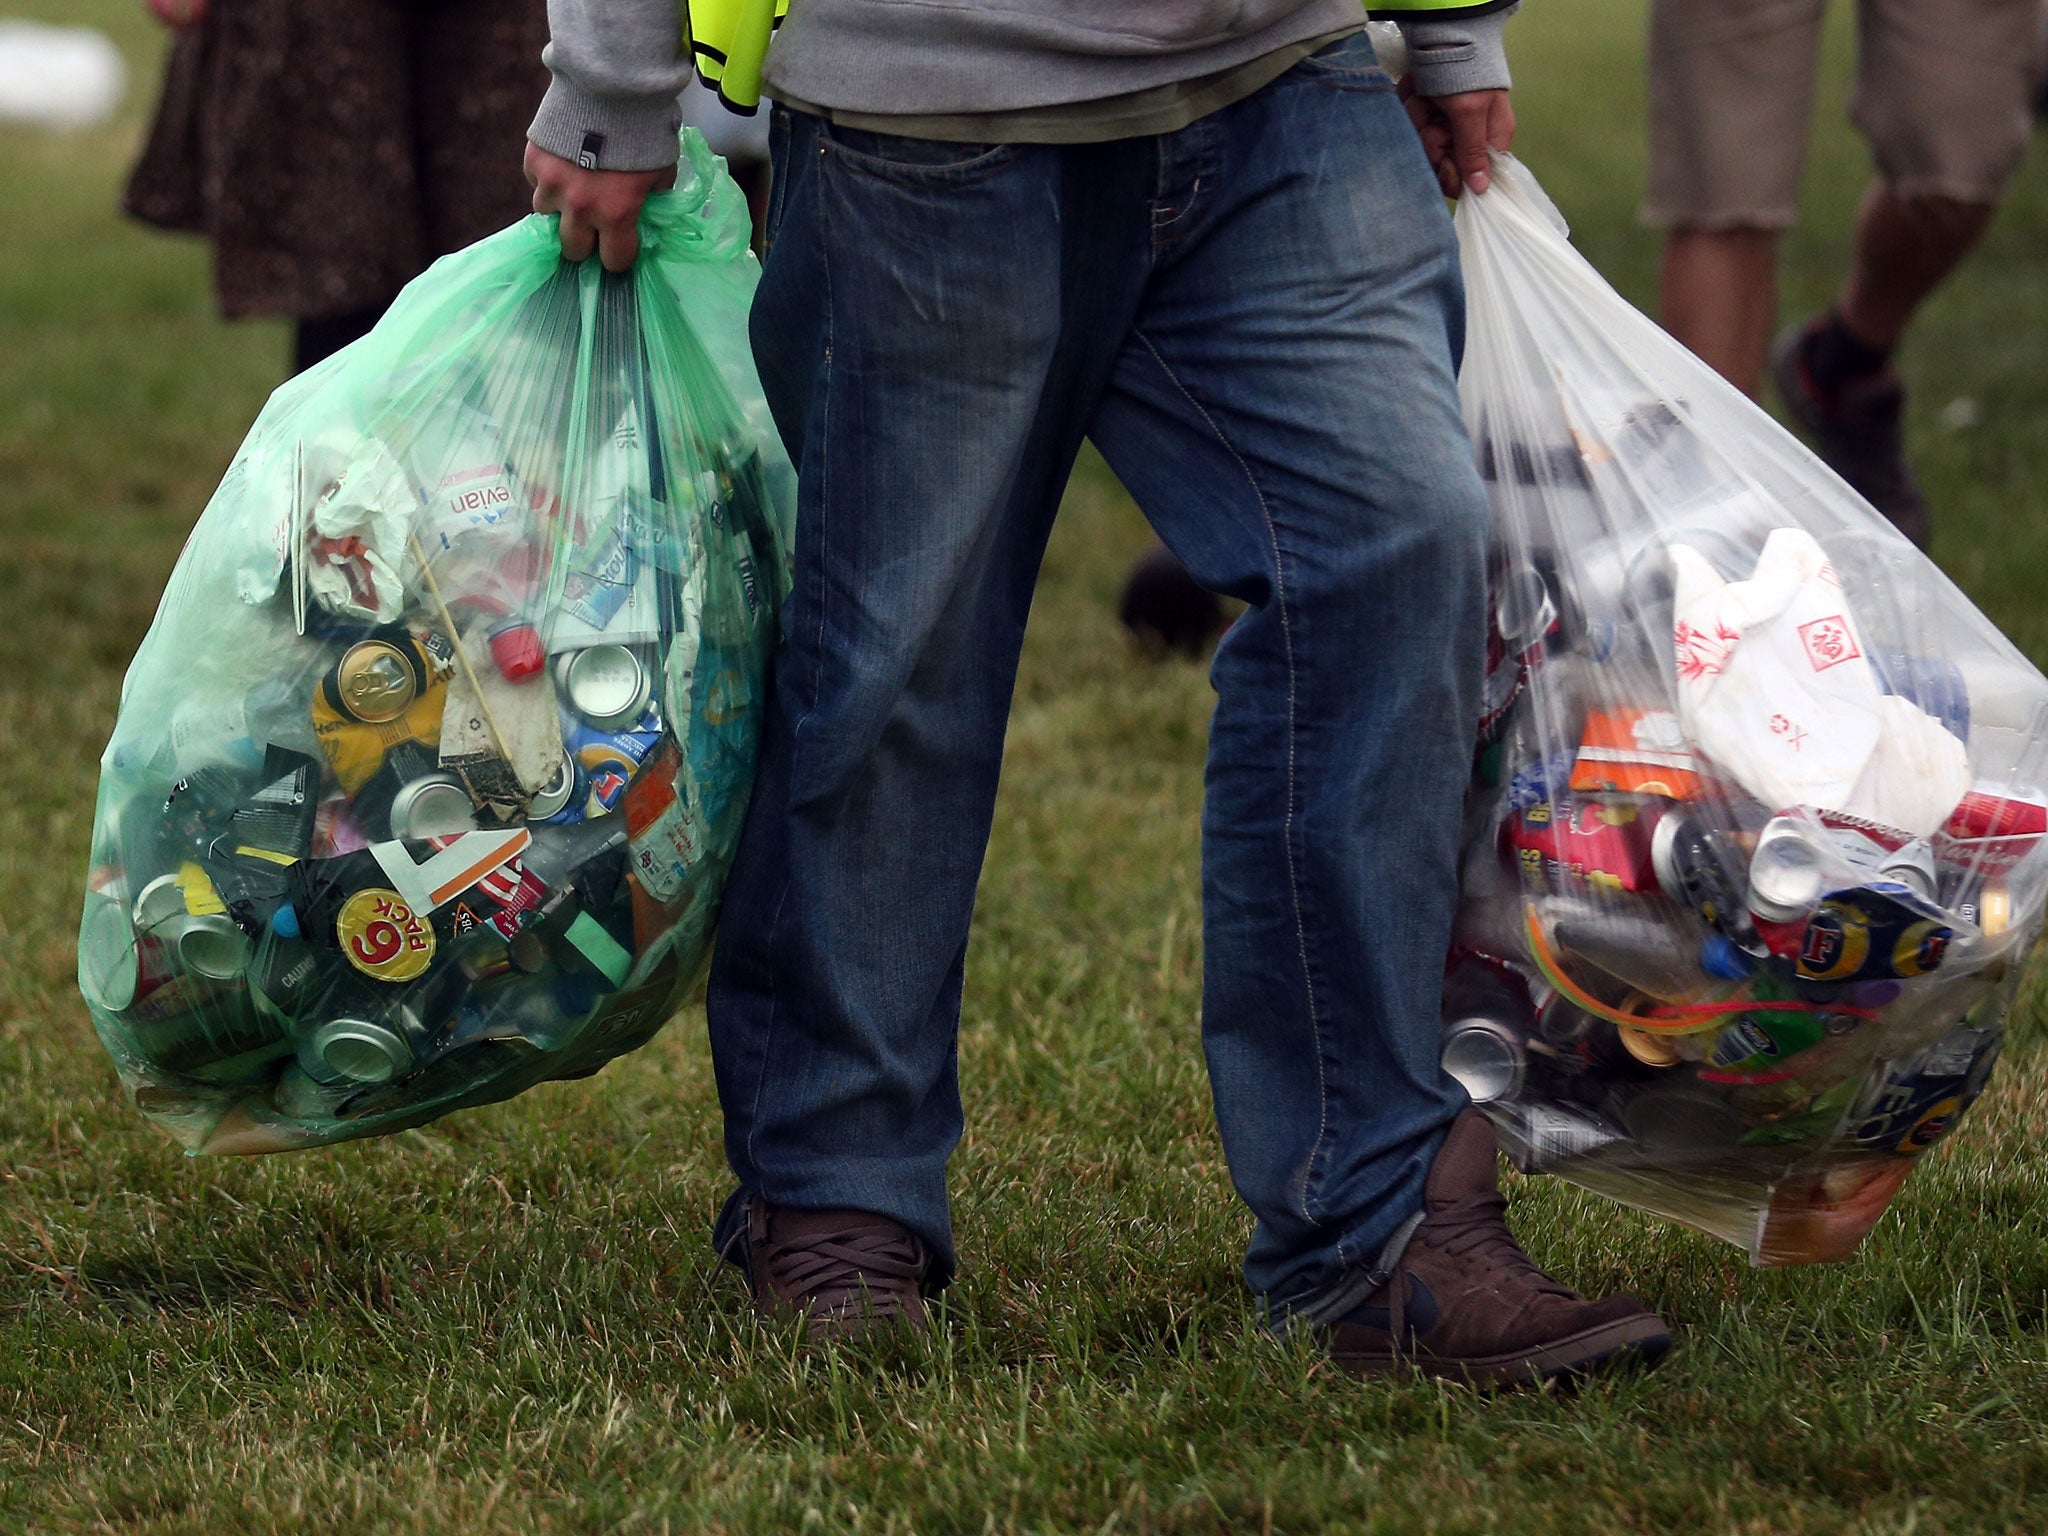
<point x="1206" y="235"/>
<point x="1942" y="96"/>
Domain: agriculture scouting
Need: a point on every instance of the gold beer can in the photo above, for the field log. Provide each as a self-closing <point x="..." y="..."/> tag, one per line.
<point x="1648" y="1047"/>
<point x="375" y="681"/>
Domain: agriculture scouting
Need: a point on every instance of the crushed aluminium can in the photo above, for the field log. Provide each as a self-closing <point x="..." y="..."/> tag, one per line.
<point x="1919" y="1099"/>
<point x="1695" y="867"/>
<point x="561" y="798"/>
<point x="1871" y="933"/>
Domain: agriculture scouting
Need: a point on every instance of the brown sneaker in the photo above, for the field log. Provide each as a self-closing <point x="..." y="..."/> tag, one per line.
<point x="1859" y="433"/>
<point x="1461" y="1300"/>
<point x="844" y="1272"/>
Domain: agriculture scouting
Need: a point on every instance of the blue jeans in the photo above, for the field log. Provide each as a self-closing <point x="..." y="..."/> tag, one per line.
<point x="1257" y="320"/>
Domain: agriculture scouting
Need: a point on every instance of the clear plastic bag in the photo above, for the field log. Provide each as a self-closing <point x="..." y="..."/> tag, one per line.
<point x="428" y="773"/>
<point x="1753" y="854"/>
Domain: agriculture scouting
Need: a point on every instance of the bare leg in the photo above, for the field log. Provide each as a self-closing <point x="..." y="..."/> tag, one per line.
<point x="1719" y="296"/>
<point x="1836" y="374"/>
<point x="1904" y="248"/>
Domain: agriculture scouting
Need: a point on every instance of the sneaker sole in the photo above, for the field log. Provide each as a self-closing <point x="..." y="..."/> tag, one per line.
<point x="1634" y="1341"/>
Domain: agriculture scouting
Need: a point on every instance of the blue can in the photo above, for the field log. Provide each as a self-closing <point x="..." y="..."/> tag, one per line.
<point x="1875" y="932"/>
<point x="607" y="760"/>
<point x="561" y="800"/>
<point x="1919" y="1100"/>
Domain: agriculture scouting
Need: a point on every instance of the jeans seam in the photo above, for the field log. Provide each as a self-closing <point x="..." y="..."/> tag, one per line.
<point x="1287" y="839"/>
<point x="796" y="731"/>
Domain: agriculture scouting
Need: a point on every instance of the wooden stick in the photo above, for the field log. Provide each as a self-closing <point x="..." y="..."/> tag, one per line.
<point x="461" y="656"/>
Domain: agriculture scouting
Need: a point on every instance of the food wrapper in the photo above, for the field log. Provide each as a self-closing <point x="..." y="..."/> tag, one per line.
<point x="1774" y="684"/>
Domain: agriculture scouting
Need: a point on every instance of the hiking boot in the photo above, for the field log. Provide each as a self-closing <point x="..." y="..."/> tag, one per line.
<point x="1460" y="1300"/>
<point x="844" y="1272"/>
<point x="1858" y="432"/>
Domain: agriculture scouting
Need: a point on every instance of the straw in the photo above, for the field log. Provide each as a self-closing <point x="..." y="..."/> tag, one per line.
<point x="1692" y="1018"/>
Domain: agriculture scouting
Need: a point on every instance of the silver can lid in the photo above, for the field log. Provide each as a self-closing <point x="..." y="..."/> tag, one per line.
<point x="1664" y="851"/>
<point x="435" y="806"/>
<point x="1785" y="872"/>
<point x="1484" y="1058"/>
<point x="213" y="947"/>
<point x="1522" y="609"/>
<point x="1912" y="866"/>
<point x="606" y="684"/>
<point x="159" y="902"/>
<point x="361" y="1051"/>
<point x="552" y="796"/>
<point x="109" y="966"/>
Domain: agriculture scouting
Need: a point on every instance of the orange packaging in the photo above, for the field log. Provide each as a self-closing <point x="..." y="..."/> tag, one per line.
<point x="1635" y="752"/>
<point x="664" y="840"/>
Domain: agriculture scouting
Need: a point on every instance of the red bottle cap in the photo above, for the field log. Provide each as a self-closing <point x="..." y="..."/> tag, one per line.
<point x="517" y="651"/>
<point x="1781" y="938"/>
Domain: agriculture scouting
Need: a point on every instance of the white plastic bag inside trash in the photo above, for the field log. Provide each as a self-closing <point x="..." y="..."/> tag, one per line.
<point x="356" y="548"/>
<point x="1774" y="684"/>
<point x="65" y="78"/>
<point x="350" y="541"/>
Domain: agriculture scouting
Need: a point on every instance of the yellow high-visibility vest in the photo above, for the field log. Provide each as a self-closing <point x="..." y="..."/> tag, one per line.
<point x="1392" y="10"/>
<point x="730" y="37"/>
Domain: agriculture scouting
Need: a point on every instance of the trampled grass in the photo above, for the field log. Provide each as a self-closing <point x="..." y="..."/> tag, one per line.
<point x="511" y="1321"/>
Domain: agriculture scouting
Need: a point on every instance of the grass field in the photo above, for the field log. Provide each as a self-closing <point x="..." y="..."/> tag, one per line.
<point x="511" y="1322"/>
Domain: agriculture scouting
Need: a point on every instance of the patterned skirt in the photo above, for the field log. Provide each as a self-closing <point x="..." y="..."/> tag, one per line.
<point x="331" y="149"/>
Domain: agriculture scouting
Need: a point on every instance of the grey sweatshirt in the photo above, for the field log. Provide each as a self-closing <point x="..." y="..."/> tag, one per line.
<point x="618" y="65"/>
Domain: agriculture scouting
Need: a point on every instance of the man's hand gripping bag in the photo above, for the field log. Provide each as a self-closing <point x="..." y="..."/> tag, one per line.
<point x="1753" y="855"/>
<point x="427" y="775"/>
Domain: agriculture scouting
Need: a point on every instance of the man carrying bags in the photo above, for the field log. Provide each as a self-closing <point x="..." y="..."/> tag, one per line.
<point x="1206" y="236"/>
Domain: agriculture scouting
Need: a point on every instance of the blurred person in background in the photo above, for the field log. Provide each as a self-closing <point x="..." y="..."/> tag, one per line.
<point x="332" y="149"/>
<point x="2041" y="68"/>
<point x="1943" y="96"/>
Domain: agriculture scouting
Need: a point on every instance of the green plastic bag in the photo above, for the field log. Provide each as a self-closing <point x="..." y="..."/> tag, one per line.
<point x="428" y="774"/>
